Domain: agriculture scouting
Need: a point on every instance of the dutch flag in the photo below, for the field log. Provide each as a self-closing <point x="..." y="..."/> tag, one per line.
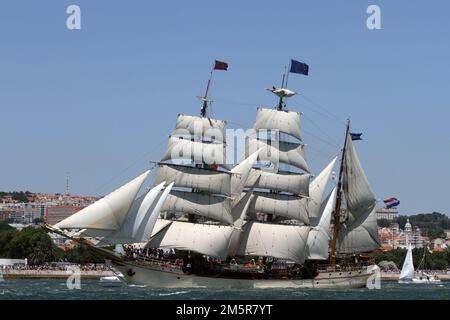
<point x="391" y="202"/>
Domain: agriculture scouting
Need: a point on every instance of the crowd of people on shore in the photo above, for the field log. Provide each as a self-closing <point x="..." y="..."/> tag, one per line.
<point x="56" y="267"/>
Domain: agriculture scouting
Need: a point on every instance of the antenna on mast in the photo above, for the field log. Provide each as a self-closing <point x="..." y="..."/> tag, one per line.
<point x="67" y="184"/>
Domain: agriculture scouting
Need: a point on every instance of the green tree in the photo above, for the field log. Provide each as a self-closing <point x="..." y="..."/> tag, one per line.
<point x="38" y="220"/>
<point x="31" y="243"/>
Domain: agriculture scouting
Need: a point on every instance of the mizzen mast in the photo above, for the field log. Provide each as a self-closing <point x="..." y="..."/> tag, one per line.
<point x="337" y="209"/>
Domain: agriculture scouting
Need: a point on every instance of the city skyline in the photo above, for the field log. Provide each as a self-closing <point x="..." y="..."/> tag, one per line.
<point x="100" y="102"/>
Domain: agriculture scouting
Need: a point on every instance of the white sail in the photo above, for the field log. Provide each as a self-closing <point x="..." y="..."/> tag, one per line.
<point x="359" y="195"/>
<point x="213" y="207"/>
<point x="297" y="184"/>
<point x="284" y="152"/>
<point x="200" y="127"/>
<point x="140" y="221"/>
<point x="359" y="238"/>
<point x="240" y="174"/>
<point x="280" y="205"/>
<point x="359" y="233"/>
<point x="144" y="207"/>
<point x="211" y="240"/>
<point x="149" y="226"/>
<point x="316" y="190"/>
<point x="319" y="236"/>
<point x="408" y="266"/>
<point x="284" y="121"/>
<point x="197" y="178"/>
<point x="109" y="212"/>
<point x="274" y="240"/>
<point x="199" y="152"/>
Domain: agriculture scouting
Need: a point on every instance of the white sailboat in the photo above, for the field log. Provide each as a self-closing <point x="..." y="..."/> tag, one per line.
<point x="203" y="225"/>
<point x="408" y="274"/>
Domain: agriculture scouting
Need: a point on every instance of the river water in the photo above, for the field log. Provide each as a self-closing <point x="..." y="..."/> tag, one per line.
<point x="93" y="289"/>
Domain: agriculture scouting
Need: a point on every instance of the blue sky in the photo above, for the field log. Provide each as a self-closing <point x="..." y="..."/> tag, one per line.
<point x="101" y="101"/>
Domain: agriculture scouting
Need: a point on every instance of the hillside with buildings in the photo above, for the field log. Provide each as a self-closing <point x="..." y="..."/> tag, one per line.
<point x="431" y="230"/>
<point x="396" y="231"/>
<point x="25" y="207"/>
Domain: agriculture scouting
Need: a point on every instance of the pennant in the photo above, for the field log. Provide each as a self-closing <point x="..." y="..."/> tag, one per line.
<point x="220" y="65"/>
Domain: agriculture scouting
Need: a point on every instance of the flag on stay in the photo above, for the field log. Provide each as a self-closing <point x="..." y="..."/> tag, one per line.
<point x="220" y="65"/>
<point x="356" y="136"/>
<point x="299" y="67"/>
<point x="391" y="202"/>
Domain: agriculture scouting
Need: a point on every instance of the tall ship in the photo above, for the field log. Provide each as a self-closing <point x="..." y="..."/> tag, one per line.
<point x="264" y="222"/>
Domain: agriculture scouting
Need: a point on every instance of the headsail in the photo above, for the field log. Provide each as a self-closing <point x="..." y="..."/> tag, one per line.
<point x="408" y="266"/>
<point x="316" y="190"/>
<point x="140" y="221"/>
<point x="319" y="236"/>
<point x="108" y="213"/>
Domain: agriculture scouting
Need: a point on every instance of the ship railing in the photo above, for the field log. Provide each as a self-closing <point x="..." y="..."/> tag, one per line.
<point x="175" y="263"/>
<point x="344" y="267"/>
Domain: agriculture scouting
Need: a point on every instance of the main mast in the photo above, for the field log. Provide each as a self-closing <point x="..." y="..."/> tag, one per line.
<point x="337" y="209"/>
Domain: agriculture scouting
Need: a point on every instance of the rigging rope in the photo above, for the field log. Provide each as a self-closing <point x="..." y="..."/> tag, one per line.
<point x="134" y="163"/>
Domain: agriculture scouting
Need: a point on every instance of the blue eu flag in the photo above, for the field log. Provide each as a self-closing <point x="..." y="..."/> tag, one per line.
<point x="299" y="67"/>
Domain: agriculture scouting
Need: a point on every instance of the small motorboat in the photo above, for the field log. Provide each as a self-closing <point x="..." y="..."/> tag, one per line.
<point x="111" y="281"/>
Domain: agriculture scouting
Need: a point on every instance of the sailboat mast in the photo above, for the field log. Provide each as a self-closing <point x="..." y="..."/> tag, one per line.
<point x="337" y="209"/>
<point x="280" y="103"/>
<point x="205" y="97"/>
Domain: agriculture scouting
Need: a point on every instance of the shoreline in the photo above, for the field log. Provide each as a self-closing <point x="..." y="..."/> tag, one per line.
<point x="385" y="276"/>
<point x="95" y="275"/>
<point x="53" y="274"/>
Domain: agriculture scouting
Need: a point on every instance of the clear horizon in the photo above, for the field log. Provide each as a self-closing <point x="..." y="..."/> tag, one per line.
<point x="100" y="102"/>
